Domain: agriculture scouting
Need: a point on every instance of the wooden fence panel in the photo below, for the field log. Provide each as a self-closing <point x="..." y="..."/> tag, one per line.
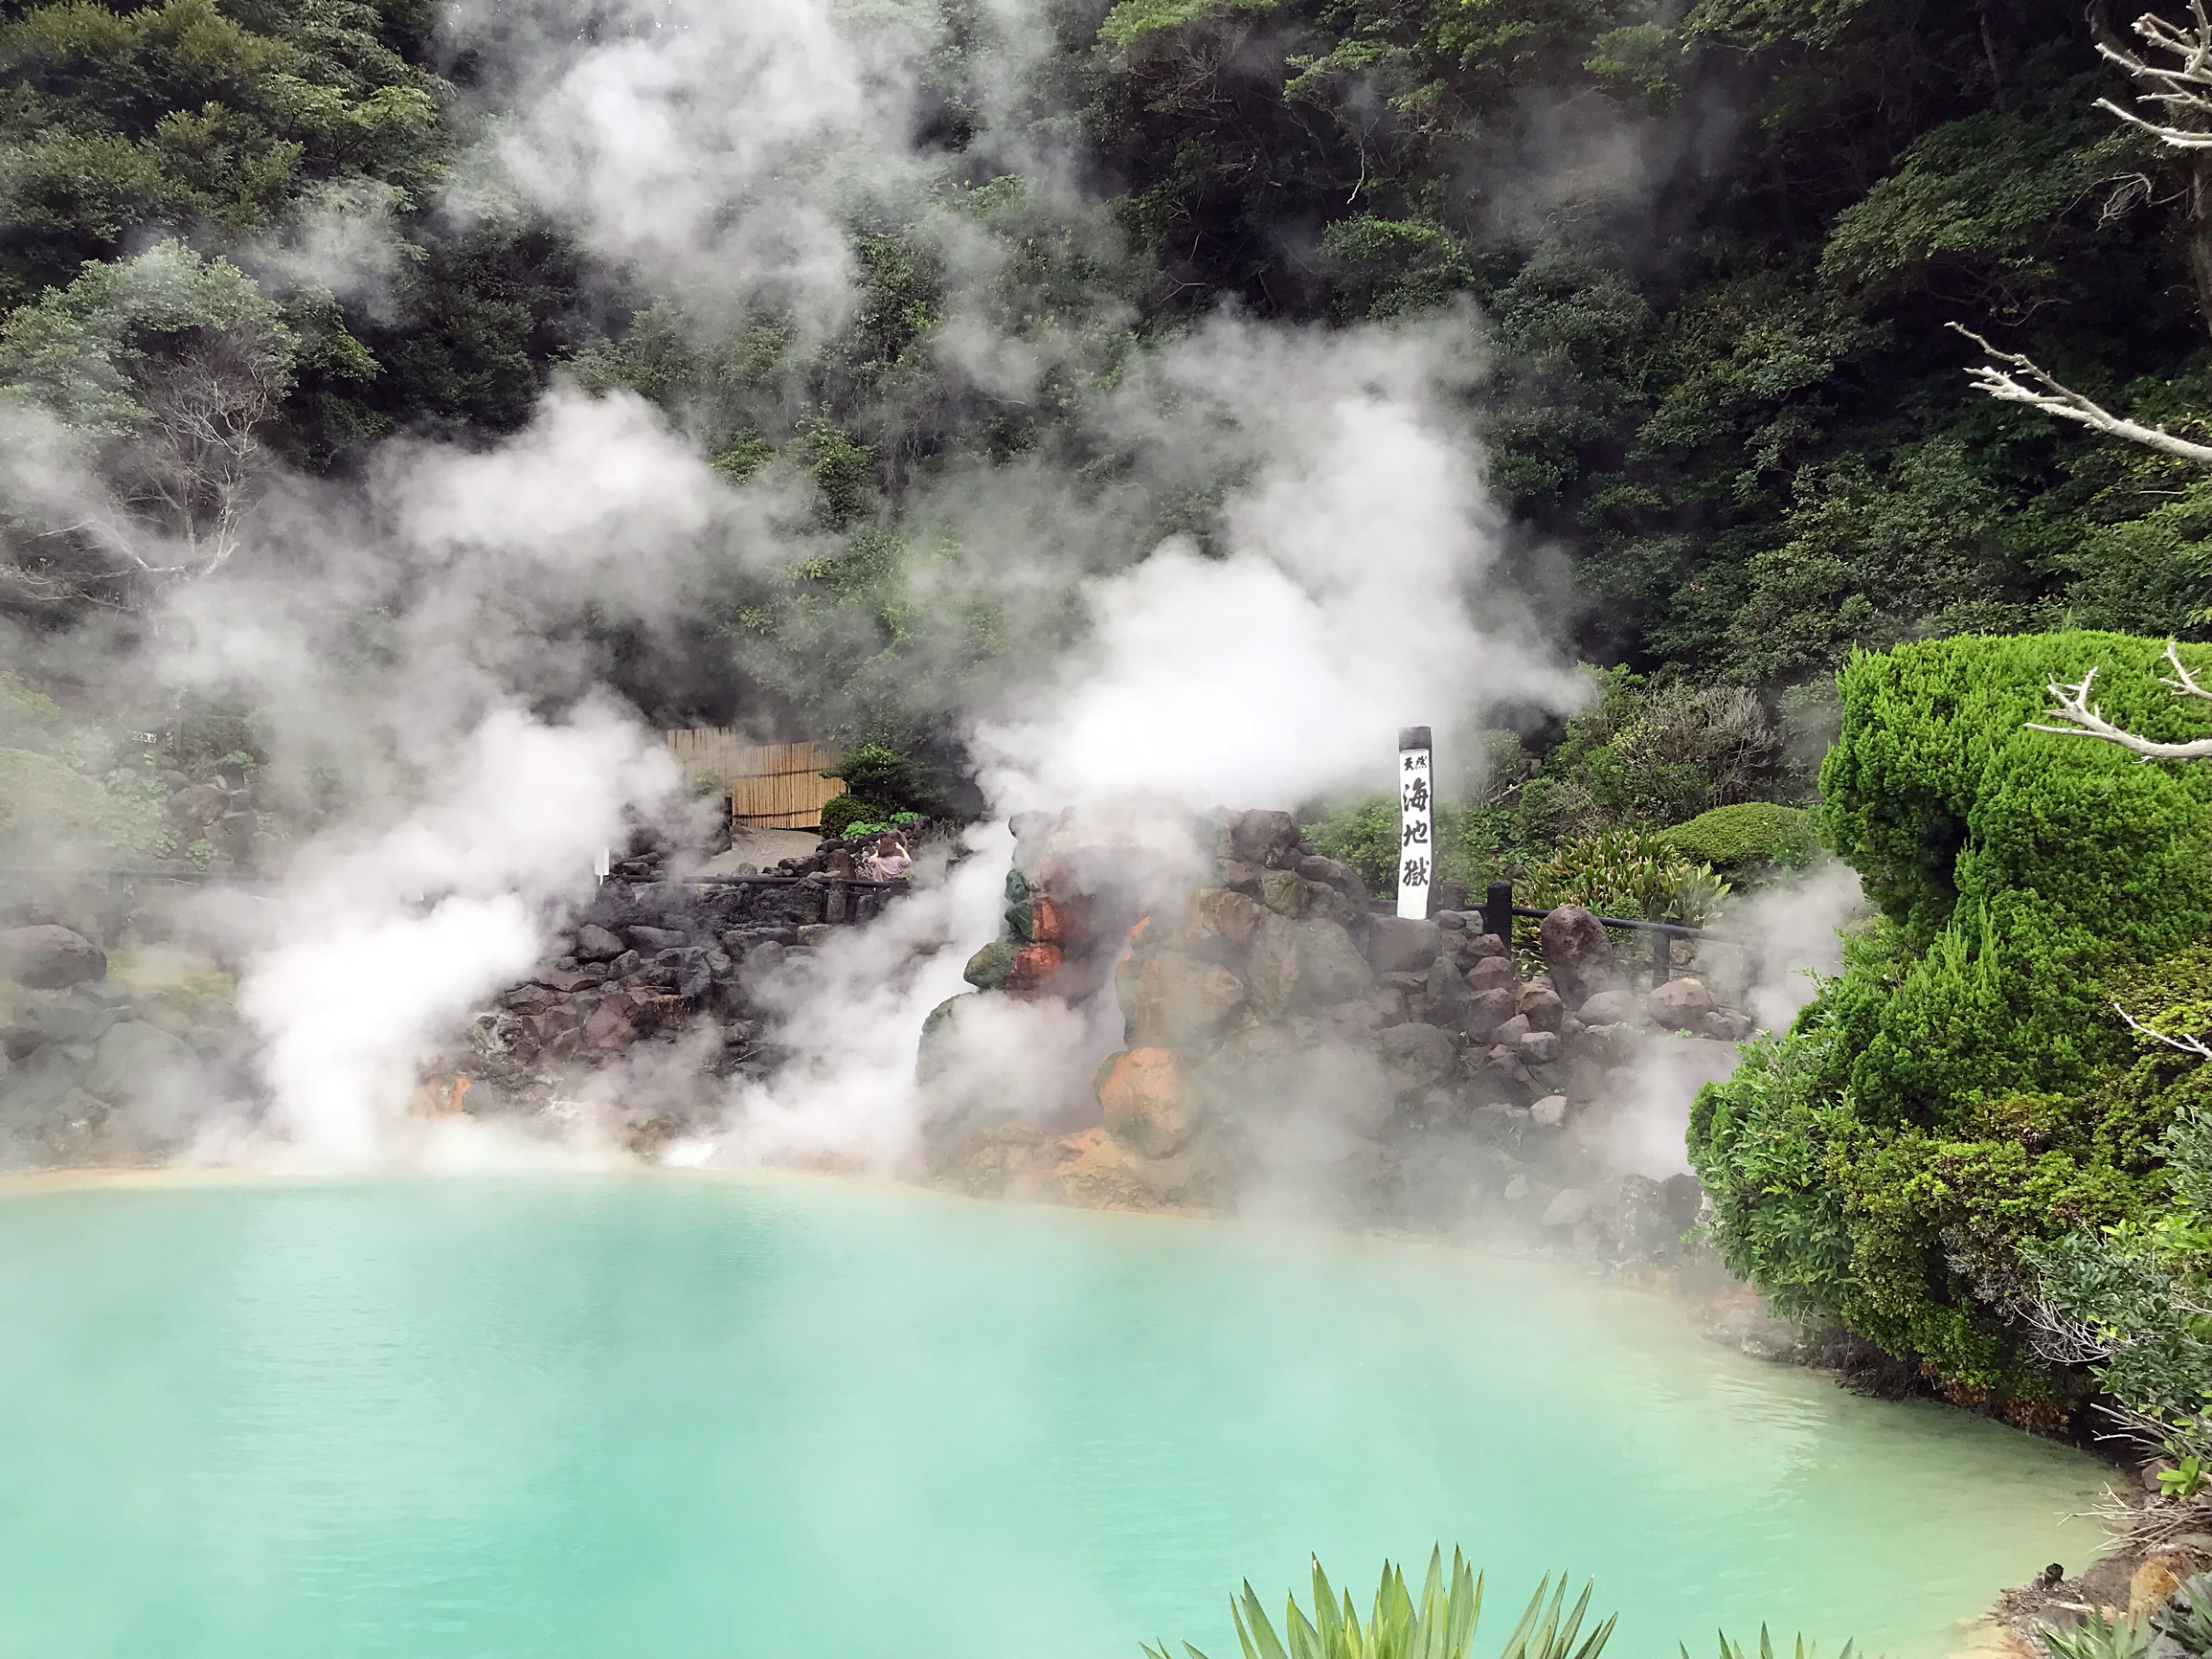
<point x="772" y="786"/>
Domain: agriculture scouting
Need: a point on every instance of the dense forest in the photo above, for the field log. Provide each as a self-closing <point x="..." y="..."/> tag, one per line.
<point x="1714" y="255"/>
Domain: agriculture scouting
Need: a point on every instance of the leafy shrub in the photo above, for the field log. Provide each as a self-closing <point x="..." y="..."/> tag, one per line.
<point x="1963" y="1090"/>
<point x="1625" y="872"/>
<point x="1440" y="1626"/>
<point x="841" y="812"/>
<point x="874" y="772"/>
<point x="49" y="812"/>
<point x="1735" y="840"/>
<point x="2100" y="1637"/>
<point x="1363" y="835"/>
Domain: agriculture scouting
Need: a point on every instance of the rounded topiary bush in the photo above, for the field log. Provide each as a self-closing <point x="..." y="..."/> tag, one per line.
<point x="1963" y="1087"/>
<point x="1752" y="834"/>
<point x="841" y="812"/>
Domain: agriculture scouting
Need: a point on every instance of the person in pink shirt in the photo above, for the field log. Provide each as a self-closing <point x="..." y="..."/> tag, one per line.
<point x="890" y="861"/>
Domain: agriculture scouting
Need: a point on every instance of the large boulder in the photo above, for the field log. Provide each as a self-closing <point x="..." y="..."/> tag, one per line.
<point x="1221" y="922"/>
<point x="1417" y="1056"/>
<point x="50" y="957"/>
<point x="1172" y="999"/>
<point x="140" y="1062"/>
<point x="1679" y="1004"/>
<point x="1610" y="1007"/>
<point x="1577" y="955"/>
<point x="1145" y="1101"/>
<point x="1541" y="1005"/>
<point x="1330" y="965"/>
<point x="1486" y="1011"/>
<point x="597" y="944"/>
<point x="1492" y="974"/>
<point x="1262" y="838"/>
<point x="1403" y="945"/>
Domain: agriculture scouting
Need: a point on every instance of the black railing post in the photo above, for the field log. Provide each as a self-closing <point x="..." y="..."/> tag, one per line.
<point x="1662" y="959"/>
<point x="1497" y="911"/>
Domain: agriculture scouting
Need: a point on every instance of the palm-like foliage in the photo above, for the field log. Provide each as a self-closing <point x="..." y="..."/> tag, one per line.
<point x="1440" y="1626"/>
<point x="1804" y="1649"/>
<point x="2097" y="1637"/>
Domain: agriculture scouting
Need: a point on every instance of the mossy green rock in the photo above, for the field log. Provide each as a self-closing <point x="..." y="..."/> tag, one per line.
<point x="990" y="968"/>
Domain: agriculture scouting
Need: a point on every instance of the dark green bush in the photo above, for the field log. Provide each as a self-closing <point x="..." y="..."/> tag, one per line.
<point x="841" y="812"/>
<point x="1746" y="837"/>
<point x="1965" y="1087"/>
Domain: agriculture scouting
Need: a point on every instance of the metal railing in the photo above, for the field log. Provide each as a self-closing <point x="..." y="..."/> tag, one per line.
<point x="1500" y="912"/>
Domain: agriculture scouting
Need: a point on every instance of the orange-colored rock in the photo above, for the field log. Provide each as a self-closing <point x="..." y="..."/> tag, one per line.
<point x="1145" y="1100"/>
<point x="2154" y="1582"/>
<point x="435" y="1097"/>
<point x="1049" y="922"/>
<point x="1034" y="966"/>
<point x="1088" y="1171"/>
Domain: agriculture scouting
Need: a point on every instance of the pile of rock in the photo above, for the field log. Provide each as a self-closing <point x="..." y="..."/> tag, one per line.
<point x="654" y="961"/>
<point x="1271" y="1019"/>
<point x="90" y="1070"/>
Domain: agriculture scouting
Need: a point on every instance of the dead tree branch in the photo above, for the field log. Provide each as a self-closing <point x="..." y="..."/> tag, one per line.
<point x="2026" y="381"/>
<point x="2084" y="719"/>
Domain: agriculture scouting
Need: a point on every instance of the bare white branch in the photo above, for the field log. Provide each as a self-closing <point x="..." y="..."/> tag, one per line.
<point x="2184" y="684"/>
<point x="2072" y="704"/>
<point x="2026" y="381"/>
<point x="2175" y="84"/>
<point x="2186" y="1042"/>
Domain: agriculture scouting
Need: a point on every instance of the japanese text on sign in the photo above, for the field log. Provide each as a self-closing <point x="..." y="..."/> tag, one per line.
<point x="1414" y="829"/>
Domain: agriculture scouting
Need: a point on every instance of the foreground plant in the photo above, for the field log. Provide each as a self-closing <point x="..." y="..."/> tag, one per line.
<point x="1804" y="1650"/>
<point x="1440" y="1626"/>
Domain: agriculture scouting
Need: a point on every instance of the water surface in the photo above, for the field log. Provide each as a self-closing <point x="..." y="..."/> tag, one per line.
<point x="674" y="1418"/>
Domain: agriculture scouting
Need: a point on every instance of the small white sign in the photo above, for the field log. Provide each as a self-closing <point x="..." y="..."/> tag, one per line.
<point x="604" y="865"/>
<point x="1416" y="853"/>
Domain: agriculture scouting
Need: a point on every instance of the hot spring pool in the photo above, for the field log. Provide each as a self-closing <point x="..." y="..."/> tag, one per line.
<point x="672" y="1417"/>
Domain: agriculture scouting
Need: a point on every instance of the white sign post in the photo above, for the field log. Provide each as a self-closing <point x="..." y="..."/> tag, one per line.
<point x="1417" y="861"/>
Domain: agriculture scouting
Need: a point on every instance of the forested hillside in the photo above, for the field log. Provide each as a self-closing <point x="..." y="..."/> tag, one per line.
<point x="1715" y="255"/>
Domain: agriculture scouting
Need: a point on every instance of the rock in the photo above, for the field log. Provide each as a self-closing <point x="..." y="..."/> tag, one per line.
<point x="990" y="967"/>
<point x="596" y="944"/>
<point x="1516" y="1189"/>
<point x="1486" y="1011"/>
<point x="1679" y="1004"/>
<point x="2154" y="1582"/>
<point x="614" y="1023"/>
<point x="1578" y="956"/>
<point x="136" y="1061"/>
<point x="1221" y="922"/>
<point x="1550" y="1111"/>
<point x="1389" y="1006"/>
<point x="1342" y="877"/>
<point x="1286" y="892"/>
<point x="1263" y="839"/>
<point x="1417" y="1056"/>
<point x="200" y="805"/>
<point x="528" y="1000"/>
<point x="1610" y="1007"/>
<point x="1480" y="947"/>
<point x="1726" y="1025"/>
<point x="1330" y="965"/>
<point x="1175" y="1001"/>
<point x="764" y="958"/>
<point x="1089" y="1170"/>
<point x="50" y="957"/>
<point x="1539" y="1048"/>
<point x="562" y="979"/>
<point x="1492" y="974"/>
<point x="1539" y="1005"/>
<point x="1397" y="945"/>
<point x="1512" y="1031"/>
<point x="816" y="932"/>
<point x="1033" y="967"/>
<point x="1145" y="1101"/>
<point x="651" y="941"/>
<point x="1567" y="1209"/>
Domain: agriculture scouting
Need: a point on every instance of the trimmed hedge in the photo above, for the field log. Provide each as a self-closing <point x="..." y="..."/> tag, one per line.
<point x="1964" y="1085"/>
<point x="1746" y="837"/>
<point x="841" y="812"/>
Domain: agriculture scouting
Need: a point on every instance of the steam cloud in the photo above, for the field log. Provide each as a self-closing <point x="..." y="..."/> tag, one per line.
<point x="419" y="635"/>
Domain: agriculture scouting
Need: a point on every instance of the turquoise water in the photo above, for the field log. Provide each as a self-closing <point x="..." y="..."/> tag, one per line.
<point x="678" y="1418"/>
